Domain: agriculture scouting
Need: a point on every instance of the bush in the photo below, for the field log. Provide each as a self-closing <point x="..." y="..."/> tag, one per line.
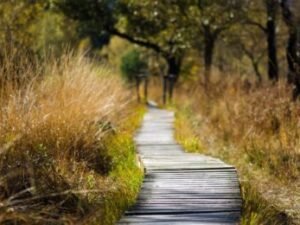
<point x="132" y="65"/>
<point x="54" y="161"/>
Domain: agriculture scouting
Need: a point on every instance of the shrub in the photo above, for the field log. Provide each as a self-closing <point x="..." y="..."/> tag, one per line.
<point x="54" y="161"/>
<point x="132" y="65"/>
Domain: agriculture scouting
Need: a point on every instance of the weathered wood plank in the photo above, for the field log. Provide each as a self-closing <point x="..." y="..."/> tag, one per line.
<point x="184" y="219"/>
<point x="181" y="188"/>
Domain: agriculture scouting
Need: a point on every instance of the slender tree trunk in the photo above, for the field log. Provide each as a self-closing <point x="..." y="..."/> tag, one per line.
<point x="272" y="7"/>
<point x="174" y="68"/>
<point x="293" y="48"/>
<point x="291" y="56"/>
<point x="165" y="89"/>
<point x="209" y="46"/>
<point x="294" y="61"/>
<point x="171" y="87"/>
<point x="146" y="82"/>
<point x="257" y="71"/>
<point x="254" y="61"/>
<point x="138" y="89"/>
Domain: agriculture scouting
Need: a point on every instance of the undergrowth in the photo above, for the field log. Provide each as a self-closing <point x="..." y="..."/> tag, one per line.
<point x="66" y="149"/>
<point x="257" y="130"/>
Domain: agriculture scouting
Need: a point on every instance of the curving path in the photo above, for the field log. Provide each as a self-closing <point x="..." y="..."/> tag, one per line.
<point x="181" y="188"/>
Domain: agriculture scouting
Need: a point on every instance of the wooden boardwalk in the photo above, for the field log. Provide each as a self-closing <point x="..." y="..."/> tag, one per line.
<point x="181" y="188"/>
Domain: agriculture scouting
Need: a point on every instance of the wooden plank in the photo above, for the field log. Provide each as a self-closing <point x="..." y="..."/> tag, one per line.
<point x="189" y="218"/>
<point x="181" y="188"/>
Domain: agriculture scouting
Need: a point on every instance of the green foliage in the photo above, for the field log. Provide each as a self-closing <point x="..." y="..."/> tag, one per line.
<point x="126" y="172"/>
<point x="132" y="65"/>
<point x="127" y="178"/>
<point x="17" y="19"/>
<point x="89" y="10"/>
<point x="35" y="26"/>
<point x="158" y="22"/>
<point x="53" y="31"/>
<point x="93" y="17"/>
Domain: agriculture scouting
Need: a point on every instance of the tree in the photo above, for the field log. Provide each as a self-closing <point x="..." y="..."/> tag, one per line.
<point x="156" y="25"/>
<point x="272" y="11"/>
<point x="264" y="16"/>
<point x="160" y="26"/>
<point x="249" y="41"/>
<point x="213" y="17"/>
<point x="290" y="9"/>
<point x="175" y="25"/>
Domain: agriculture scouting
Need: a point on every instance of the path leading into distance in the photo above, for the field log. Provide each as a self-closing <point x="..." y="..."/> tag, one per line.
<point x="181" y="188"/>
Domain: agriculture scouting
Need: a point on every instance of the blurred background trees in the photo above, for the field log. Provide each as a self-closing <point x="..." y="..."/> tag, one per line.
<point x="34" y="25"/>
<point x="17" y="19"/>
<point x="185" y="39"/>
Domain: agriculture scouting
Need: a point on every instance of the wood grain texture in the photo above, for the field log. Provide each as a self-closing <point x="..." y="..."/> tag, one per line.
<point x="181" y="188"/>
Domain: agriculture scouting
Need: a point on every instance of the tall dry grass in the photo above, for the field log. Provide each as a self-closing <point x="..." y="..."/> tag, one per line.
<point x="55" y="117"/>
<point x="262" y="122"/>
<point x="255" y="128"/>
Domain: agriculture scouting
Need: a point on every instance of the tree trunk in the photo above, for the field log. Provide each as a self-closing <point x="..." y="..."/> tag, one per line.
<point x="171" y="87"/>
<point x="257" y="71"/>
<point x="209" y="46"/>
<point x="294" y="61"/>
<point x="165" y="89"/>
<point x="272" y="7"/>
<point x="146" y="82"/>
<point x="293" y="48"/>
<point x="174" y="68"/>
<point x="137" y="79"/>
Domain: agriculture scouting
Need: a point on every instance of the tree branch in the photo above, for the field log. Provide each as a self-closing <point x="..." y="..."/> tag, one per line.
<point x="140" y="42"/>
<point x="256" y="24"/>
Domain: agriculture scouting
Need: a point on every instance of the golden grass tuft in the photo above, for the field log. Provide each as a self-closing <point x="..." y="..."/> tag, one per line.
<point x="55" y="119"/>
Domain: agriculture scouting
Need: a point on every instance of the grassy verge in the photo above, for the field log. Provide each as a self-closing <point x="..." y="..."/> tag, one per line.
<point x="256" y="209"/>
<point x="233" y="125"/>
<point x="66" y="149"/>
<point x="126" y="173"/>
